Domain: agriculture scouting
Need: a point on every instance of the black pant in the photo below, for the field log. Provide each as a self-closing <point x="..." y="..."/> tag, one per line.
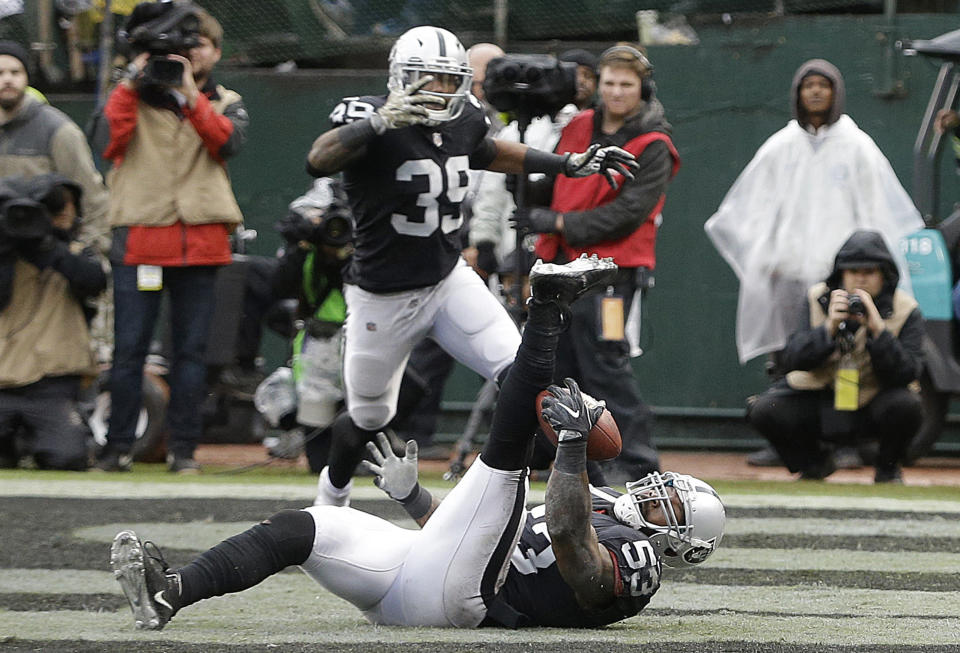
<point x="803" y="426"/>
<point x="603" y="370"/>
<point x="47" y="409"/>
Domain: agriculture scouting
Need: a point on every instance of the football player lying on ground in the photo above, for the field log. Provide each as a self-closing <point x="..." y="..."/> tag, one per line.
<point x="480" y="559"/>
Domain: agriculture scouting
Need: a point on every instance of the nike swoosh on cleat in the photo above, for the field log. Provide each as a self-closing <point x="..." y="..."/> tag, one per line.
<point x="158" y="597"/>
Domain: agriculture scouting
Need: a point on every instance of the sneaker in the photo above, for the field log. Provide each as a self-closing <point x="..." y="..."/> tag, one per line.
<point x="182" y="464"/>
<point x="152" y="590"/>
<point x="109" y="460"/>
<point x="564" y="283"/>
<point x="892" y="474"/>
<point x="766" y="457"/>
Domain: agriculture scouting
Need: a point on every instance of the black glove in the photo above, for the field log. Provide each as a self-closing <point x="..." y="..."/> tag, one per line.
<point x="42" y="252"/>
<point x="534" y="220"/>
<point x="567" y="412"/>
<point x="486" y="258"/>
<point x="605" y="161"/>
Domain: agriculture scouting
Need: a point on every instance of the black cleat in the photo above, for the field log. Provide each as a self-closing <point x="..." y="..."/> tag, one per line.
<point x="550" y="282"/>
<point x="152" y="590"/>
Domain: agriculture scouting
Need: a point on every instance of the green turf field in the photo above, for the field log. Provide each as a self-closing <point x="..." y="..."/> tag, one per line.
<point x="803" y="567"/>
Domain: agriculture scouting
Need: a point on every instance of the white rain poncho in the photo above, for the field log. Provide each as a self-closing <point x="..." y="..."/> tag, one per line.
<point x="790" y="210"/>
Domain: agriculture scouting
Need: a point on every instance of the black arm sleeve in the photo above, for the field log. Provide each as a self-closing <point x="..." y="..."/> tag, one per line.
<point x="808" y="348"/>
<point x="632" y="206"/>
<point x="484" y="155"/>
<point x="899" y="360"/>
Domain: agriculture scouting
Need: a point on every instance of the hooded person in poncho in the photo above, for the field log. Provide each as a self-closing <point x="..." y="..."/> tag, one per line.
<point x="808" y="187"/>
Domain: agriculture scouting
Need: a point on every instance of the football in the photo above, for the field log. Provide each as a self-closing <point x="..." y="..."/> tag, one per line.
<point x="603" y="441"/>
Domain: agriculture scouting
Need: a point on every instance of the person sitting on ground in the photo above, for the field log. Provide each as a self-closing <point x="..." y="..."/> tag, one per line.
<point x="588" y="557"/>
<point x="852" y="368"/>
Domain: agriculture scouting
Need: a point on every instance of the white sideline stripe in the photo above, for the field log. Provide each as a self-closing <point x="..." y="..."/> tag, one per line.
<point x="58" y="581"/>
<point x="89" y="488"/>
<point x="784" y="600"/>
<point x="234" y="621"/>
<point x="806" y="600"/>
<point x="192" y="536"/>
<point x="840" y="502"/>
<point x="833" y="560"/>
<point x="845" y="527"/>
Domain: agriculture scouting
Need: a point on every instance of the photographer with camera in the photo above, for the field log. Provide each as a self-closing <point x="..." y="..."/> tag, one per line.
<point x="46" y="278"/>
<point x="853" y="370"/>
<point x="171" y="209"/>
<point x="318" y="230"/>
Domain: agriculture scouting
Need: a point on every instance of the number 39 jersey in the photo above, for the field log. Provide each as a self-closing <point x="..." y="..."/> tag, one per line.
<point x="535" y="589"/>
<point x="405" y="193"/>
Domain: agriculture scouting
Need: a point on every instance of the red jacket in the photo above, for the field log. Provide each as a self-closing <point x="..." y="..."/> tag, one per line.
<point x="585" y="193"/>
<point x="178" y="244"/>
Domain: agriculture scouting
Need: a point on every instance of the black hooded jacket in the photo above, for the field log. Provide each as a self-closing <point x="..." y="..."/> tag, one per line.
<point x="896" y="360"/>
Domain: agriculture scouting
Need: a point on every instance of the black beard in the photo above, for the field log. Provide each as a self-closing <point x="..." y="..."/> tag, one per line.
<point x="12" y="103"/>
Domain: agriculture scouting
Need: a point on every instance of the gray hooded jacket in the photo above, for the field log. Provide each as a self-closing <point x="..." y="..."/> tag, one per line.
<point x="828" y="70"/>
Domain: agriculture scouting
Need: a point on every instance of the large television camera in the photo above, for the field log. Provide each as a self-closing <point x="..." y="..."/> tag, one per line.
<point x="162" y="29"/>
<point x="530" y="85"/>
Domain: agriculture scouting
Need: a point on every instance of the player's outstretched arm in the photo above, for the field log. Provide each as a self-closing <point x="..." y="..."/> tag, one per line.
<point x="398" y="478"/>
<point x="583" y="562"/>
<point x="517" y="158"/>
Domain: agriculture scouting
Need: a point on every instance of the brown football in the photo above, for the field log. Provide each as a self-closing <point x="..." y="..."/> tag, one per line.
<point x="603" y="441"/>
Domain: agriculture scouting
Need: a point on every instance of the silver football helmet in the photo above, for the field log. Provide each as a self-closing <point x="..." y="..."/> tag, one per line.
<point x="432" y="51"/>
<point x="687" y="539"/>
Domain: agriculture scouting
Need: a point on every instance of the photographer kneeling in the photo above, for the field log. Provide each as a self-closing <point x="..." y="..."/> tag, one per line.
<point x="851" y="369"/>
<point x="45" y="353"/>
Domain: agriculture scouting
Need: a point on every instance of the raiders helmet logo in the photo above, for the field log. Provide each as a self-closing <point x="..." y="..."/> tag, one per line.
<point x="697" y="554"/>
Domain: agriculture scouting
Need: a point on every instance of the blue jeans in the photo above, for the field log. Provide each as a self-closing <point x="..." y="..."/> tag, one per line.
<point x="191" y="291"/>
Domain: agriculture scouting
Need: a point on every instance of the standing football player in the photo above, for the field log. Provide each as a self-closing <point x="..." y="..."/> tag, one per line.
<point x="589" y="557"/>
<point x="405" y="159"/>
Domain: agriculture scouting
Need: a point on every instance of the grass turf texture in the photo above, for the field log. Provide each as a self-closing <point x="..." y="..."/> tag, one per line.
<point x="799" y="570"/>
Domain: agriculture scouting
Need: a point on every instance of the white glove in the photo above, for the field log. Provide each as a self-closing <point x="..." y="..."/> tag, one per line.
<point x="604" y="161"/>
<point x="395" y="476"/>
<point x="404" y="107"/>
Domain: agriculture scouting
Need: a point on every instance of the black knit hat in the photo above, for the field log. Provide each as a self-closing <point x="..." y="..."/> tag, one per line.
<point x="579" y="57"/>
<point x="14" y="49"/>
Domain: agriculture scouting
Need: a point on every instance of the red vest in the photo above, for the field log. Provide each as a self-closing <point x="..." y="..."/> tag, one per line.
<point x="585" y="193"/>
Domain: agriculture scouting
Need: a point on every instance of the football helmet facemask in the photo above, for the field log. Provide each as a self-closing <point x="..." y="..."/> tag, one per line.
<point x="686" y="540"/>
<point x="436" y="52"/>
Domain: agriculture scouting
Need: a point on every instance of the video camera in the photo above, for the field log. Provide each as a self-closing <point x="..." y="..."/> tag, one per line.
<point x="530" y="85"/>
<point x="321" y="216"/>
<point x="161" y="28"/>
<point x="22" y="218"/>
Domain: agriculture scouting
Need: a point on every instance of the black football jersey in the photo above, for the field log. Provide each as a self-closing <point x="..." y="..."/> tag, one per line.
<point x="535" y="589"/>
<point x="405" y="193"/>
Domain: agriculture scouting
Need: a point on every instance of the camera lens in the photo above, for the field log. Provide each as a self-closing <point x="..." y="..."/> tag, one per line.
<point x="337" y="231"/>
